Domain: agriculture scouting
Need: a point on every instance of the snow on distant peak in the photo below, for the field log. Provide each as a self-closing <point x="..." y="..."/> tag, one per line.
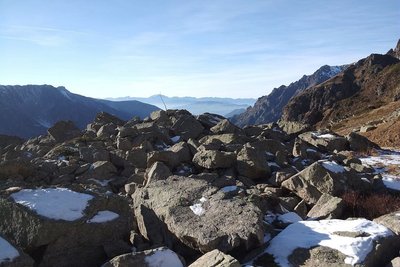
<point x="7" y="251"/>
<point x="54" y="203"/>
<point x="308" y="234"/>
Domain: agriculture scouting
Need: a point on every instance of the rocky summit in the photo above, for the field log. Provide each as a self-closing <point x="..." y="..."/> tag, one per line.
<point x="176" y="190"/>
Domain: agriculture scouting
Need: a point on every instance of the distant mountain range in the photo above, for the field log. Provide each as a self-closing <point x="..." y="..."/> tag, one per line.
<point x="222" y="106"/>
<point x="29" y="110"/>
<point x="269" y="108"/>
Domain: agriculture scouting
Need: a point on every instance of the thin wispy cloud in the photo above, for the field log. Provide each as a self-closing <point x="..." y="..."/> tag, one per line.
<point x="43" y="36"/>
<point x="199" y="48"/>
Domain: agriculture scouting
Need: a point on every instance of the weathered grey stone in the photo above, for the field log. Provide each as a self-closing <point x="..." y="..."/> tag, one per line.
<point x="159" y="115"/>
<point x="327" y="207"/>
<point x="164" y="207"/>
<point x="101" y="170"/>
<point x="326" y="141"/>
<point x="103" y="118"/>
<point x="148" y="258"/>
<point x="394" y="263"/>
<point x="213" y="159"/>
<point x="66" y="243"/>
<point x="225" y="126"/>
<point x="107" y="130"/>
<point x="316" y="179"/>
<point x="252" y="163"/>
<point x="360" y="143"/>
<point x="124" y="144"/>
<point x="157" y="171"/>
<point x="225" y="139"/>
<point x="216" y="258"/>
<point x="170" y="158"/>
<point x="63" y="130"/>
<point x="187" y="127"/>
<point x="391" y="221"/>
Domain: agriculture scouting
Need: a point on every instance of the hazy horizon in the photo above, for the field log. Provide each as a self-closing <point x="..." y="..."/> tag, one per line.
<point x="230" y="49"/>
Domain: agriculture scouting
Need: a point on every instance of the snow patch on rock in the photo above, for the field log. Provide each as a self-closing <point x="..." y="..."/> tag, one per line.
<point x="103" y="216"/>
<point x="54" y="203"/>
<point x="164" y="258"/>
<point x="308" y="234"/>
<point x="7" y="251"/>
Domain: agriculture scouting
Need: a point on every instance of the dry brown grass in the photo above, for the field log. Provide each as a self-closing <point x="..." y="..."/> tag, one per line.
<point x="387" y="134"/>
<point x="370" y="206"/>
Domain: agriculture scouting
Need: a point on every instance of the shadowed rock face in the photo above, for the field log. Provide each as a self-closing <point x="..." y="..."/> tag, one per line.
<point x="269" y="108"/>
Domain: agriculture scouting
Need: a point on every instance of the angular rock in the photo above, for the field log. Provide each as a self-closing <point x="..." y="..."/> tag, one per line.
<point x="103" y="118"/>
<point x="157" y="171"/>
<point x="67" y="227"/>
<point x="187" y="127"/>
<point x="209" y="120"/>
<point x="216" y="258"/>
<point x="101" y="170"/>
<point x="252" y="163"/>
<point x="225" y="126"/>
<point x="148" y="258"/>
<point x="214" y="159"/>
<point x="326" y="141"/>
<point x="170" y="158"/>
<point x="107" y="130"/>
<point x="391" y="221"/>
<point x="327" y="207"/>
<point x="190" y="209"/>
<point x="360" y="143"/>
<point x="63" y="130"/>
<point x="321" y="177"/>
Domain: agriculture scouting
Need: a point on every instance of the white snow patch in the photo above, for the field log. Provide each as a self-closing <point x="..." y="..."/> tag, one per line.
<point x="386" y="158"/>
<point x="324" y="136"/>
<point x="203" y="199"/>
<point x="7" y="251"/>
<point x="379" y="163"/>
<point x="103" y="216"/>
<point x="290" y="217"/>
<point x="391" y="181"/>
<point x="54" y="203"/>
<point x="198" y="207"/>
<point x="307" y="234"/>
<point x="175" y="139"/>
<point x="163" y="258"/>
<point x="333" y="166"/>
<point x="230" y="188"/>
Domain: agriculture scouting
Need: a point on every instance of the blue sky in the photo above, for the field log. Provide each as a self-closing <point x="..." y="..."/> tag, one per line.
<point x="229" y="48"/>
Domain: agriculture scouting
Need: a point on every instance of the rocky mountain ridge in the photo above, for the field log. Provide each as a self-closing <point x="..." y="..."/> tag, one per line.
<point x="363" y="87"/>
<point x="183" y="190"/>
<point x="28" y="111"/>
<point x="269" y="108"/>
